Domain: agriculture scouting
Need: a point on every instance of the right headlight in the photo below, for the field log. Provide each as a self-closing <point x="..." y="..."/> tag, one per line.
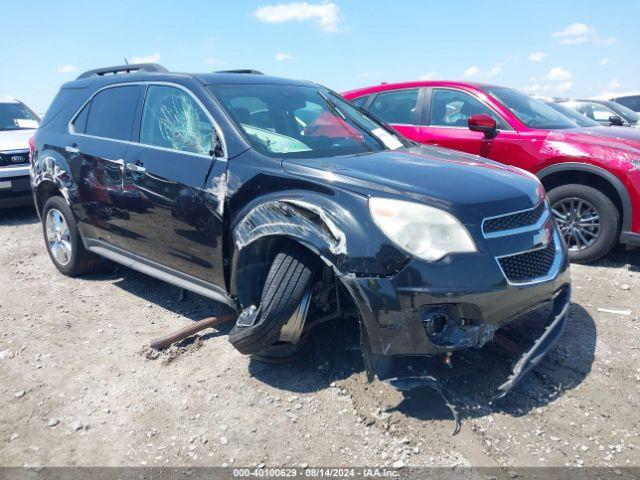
<point x="425" y="232"/>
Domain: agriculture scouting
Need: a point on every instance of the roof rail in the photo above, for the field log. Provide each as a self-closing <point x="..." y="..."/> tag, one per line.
<point x="134" y="67"/>
<point x="242" y="70"/>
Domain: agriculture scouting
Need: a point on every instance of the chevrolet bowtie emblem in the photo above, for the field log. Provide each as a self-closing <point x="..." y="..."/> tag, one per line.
<point x="543" y="237"/>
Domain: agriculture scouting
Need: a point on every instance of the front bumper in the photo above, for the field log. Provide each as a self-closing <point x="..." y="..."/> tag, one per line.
<point x="543" y="344"/>
<point x="15" y="187"/>
<point x="471" y="293"/>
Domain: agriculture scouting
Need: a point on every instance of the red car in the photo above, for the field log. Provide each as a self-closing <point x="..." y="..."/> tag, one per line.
<point x="592" y="176"/>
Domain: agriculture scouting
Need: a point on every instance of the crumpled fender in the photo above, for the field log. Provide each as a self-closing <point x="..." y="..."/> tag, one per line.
<point x="340" y="231"/>
<point x="50" y="166"/>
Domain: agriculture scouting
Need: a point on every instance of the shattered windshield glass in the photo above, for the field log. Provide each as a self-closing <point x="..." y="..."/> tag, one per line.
<point x="303" y="122"/>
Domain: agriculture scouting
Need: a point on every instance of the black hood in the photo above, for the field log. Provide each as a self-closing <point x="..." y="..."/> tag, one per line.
<point x="444" y="178"/>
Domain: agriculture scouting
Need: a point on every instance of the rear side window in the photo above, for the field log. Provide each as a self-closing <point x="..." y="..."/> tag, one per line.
<point x="111" y="112"/>
<point x="399" y="107"/>
<point x="80" y="122"/>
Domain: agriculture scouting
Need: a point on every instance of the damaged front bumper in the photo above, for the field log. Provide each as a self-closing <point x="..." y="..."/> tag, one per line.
<point x="543" y="344"/>
<point x="430" y="309"/>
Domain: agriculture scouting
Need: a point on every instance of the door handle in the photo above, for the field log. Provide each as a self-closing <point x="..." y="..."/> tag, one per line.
<point x="71" y="149"/>
<point x="136" y="168"/>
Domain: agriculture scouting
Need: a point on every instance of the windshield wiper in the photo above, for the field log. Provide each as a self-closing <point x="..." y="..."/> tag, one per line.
<point x="334" y="108"/>
<point x="332" y="105"/>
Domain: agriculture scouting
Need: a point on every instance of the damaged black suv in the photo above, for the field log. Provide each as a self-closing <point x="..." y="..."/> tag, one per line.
<point x="293" y="207"/>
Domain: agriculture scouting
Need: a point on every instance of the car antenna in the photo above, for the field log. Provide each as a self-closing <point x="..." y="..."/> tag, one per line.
<point x="126" y="62"/>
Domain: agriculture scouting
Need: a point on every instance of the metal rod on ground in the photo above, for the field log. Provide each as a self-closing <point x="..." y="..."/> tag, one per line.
<point x="164" y="342"/>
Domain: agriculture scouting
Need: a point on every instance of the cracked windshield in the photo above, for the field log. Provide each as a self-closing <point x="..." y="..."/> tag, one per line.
<point x="303" y="122"/>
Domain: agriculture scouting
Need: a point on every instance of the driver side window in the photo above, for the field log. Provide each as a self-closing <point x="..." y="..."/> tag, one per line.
<point x="453" y="108"/>
<point x="595" y="111"/>
<point x="173" y="119"/>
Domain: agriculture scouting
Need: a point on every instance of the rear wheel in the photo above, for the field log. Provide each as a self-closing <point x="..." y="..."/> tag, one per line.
<point x="286" y="288"/>
<point x="63" y="239"/>
<point x="588" y="220"/>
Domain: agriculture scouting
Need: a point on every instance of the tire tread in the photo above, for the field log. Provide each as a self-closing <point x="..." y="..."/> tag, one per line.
<point x="289" y="277"/>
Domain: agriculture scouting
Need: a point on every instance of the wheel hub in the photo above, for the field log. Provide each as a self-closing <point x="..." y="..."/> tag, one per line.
<point x="58" y="237"/>
<point x="578" y="221"/>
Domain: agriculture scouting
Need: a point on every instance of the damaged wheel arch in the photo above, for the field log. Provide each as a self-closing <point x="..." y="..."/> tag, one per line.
<point x="328" y="226"/>
<point x="314" y="225"/>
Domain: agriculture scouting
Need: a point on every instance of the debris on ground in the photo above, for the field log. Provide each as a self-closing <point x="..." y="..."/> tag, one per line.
<point x="615" y="312"/>
<point x="168" y="355"/>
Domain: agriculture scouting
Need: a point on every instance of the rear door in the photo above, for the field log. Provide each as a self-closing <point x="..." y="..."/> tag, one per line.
<point x="173" y="221"/>
<point x="99" y="135"/>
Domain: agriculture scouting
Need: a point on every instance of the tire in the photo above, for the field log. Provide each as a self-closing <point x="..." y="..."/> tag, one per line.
<point x="291" y="274"/>
<point x="594" y="203"/>
<point x="78" y="260"/>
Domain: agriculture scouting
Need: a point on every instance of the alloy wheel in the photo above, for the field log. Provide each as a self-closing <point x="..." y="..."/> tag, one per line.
<point x="578" y="221"/>
<point x="58" y="237"/>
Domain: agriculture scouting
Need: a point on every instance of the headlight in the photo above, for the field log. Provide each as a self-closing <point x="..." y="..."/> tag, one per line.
<point x="426" y="232"/>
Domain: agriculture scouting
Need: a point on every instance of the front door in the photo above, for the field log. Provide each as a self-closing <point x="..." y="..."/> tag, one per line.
<point x="449" y="111"/>
<point x="174" y="221"/>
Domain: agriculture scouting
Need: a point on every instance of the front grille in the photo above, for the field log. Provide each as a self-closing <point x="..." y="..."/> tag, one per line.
<point x="515" y="220"/>
<point x="18" y="157"/>
<point x="528" y="266"/>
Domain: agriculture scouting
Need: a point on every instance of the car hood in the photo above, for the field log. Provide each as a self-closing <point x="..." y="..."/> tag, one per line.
<point x="614" y="137"/>
<point x="15" y="139"/>
<point x="602" y="144"/>
<point x="469" y="186"/>
<point x="620" y="133"/>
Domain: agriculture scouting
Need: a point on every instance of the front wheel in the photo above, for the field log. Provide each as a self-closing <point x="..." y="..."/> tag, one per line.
<point x="588" y="220"/>
<point x="289" y="280"/>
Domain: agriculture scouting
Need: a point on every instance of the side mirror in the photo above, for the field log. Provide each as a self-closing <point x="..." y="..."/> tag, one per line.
<point x="216" y="145"/>
<point x="483" y="123"/>
<point x="616" y="121"/>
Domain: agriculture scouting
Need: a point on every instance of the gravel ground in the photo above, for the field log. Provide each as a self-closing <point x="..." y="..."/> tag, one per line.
<point x="79" y="387"/>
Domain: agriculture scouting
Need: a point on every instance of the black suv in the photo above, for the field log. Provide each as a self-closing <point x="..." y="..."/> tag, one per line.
<point x="292" y="206"/>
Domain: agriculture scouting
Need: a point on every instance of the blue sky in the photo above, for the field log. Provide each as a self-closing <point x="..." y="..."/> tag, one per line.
<point x="578" y="48"/>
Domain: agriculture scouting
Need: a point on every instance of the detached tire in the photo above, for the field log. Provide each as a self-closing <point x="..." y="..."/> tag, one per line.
<point x="291" y="274"/>
<point x="574" y="207"/>
<point x="63" y="240"/>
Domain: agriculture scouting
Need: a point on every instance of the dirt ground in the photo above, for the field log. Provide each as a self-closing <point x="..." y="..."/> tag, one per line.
<point x="78" y="387"/>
